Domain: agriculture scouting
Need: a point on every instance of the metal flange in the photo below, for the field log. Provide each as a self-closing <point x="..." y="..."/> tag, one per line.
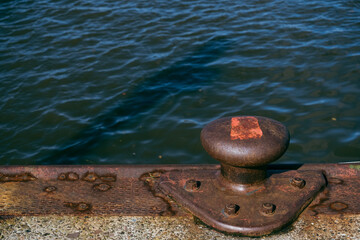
<point x="258" y="210"/>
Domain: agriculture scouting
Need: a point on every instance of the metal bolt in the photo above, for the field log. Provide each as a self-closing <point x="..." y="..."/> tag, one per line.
<point x="50" y="189"/>
<point x="82" y="206"/>
<point x="298" y="182"/>
<point x="90" y="177"/>
<point x="268" y="209"/>
<point x="192" y="185"/>
<point x="231" y="209"/>
<point x="62" y="176"/>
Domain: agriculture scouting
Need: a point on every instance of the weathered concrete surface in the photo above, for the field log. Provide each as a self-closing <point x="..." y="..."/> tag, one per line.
<point x="113" y="227"/>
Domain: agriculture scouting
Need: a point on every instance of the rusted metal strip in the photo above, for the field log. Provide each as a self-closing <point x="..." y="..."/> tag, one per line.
<point x="123" y="190"/>
<point x="94" y="190"/>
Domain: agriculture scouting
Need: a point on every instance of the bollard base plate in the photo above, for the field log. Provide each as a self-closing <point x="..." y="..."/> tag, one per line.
<point x="254" y="210"/>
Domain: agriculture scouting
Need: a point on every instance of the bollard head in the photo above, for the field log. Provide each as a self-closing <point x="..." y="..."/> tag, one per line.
<point x="245" y="141"/>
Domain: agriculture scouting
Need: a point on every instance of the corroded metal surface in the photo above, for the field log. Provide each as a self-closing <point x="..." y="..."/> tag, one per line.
<point x="48" y="195"/>
<point x="95" y="190"/>
<point x="342" y="194"/>
<point x="246" y="141"/>
<point x="244" y="145"/>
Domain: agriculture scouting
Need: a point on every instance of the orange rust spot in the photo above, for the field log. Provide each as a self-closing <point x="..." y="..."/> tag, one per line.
<point x="245" y="128"/>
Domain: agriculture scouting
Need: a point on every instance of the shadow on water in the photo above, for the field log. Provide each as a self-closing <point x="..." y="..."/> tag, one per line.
<point x="183" y="76"/>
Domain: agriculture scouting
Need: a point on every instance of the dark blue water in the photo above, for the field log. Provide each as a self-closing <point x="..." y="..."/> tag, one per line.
<point x="108" y="82"/>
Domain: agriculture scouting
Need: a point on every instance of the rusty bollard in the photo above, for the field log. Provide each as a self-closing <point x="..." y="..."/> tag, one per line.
<point x="246" y="152"/>
<point x="240" y="197"/>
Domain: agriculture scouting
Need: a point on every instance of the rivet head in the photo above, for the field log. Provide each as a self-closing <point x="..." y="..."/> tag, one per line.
<point x="231" y="209"/>
<point x="50" y="189"/>
<point x="62" y="176"/>
<point x="192" y="185"/>
<point x="90" y="177"/>
<point x="83" y="206"/>
<point x="297" y="182"/>
<point x="268" y="209"/>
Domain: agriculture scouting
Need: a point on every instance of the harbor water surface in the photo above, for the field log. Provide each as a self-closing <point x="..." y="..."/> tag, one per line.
<point x="134" y="82"/>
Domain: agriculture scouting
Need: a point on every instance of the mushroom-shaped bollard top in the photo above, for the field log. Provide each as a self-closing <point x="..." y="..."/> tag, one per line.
<point x="245" y="145"/>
